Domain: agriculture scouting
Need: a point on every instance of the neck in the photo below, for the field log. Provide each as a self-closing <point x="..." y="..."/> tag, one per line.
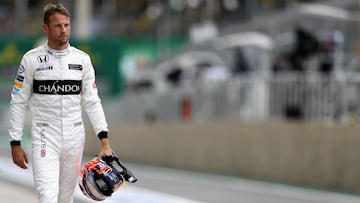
<point x="57" y="47"/>
<point x="57" y="52"/>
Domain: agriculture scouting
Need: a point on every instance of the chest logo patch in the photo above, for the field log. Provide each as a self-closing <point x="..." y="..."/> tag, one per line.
<point x="43" y="58"/>
<point x="44" y="68"/>
<point x="75" y="67"/>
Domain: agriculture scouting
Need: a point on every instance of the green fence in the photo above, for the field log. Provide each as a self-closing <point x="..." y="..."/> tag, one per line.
<point x="107" y="53"/>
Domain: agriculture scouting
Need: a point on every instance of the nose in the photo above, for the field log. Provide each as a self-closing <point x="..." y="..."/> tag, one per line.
<point x="63" y="28"/>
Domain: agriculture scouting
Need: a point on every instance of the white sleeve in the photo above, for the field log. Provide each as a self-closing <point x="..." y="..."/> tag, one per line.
<point x="20" y="94"/>
<point x="90" y="99"/>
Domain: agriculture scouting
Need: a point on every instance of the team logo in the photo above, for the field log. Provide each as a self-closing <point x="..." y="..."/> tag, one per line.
<point x="43" y="58"/>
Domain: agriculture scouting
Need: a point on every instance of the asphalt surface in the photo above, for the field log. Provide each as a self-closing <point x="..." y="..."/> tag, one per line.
<point x="212" y="188"/>
<point x="166" y="185"/>
<point x="16" y="186"/>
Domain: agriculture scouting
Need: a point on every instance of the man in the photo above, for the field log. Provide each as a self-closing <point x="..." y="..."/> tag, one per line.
<point x="57" y="80"/>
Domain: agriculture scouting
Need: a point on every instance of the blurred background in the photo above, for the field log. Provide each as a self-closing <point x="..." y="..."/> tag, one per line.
<point x="261" y="89"/>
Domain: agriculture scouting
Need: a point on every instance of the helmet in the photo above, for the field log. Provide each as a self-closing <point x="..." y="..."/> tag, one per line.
<point x="98" y="179"/>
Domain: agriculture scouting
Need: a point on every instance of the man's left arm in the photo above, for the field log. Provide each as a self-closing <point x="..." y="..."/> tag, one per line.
<point x="92" y="105"/>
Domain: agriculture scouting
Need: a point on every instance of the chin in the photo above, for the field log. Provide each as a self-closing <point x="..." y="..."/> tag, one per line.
<point x="63" y="43"/>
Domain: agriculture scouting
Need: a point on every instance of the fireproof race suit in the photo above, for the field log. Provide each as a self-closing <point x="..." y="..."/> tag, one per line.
<point x="56" y="85"/>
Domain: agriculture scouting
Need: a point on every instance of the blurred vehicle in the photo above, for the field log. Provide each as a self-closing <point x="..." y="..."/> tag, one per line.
<point x="227" y="71"/>
<point x="226" y="56"/>
<point x="186" y="69"/>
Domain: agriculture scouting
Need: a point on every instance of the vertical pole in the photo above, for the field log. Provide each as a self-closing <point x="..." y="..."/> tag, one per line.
<point x="21" y="7"/>
<point x="83" y="15"/>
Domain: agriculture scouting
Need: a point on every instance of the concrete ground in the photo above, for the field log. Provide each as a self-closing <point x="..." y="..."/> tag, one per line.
<point x="14" y="193"/>
<point x="157" y="184"/>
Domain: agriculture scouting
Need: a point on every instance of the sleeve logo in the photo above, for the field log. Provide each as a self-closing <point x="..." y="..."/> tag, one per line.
<point x="21" y="70"/>
<point x="18" y="84"/>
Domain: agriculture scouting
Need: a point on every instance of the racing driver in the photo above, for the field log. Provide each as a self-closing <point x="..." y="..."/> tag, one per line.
<point x="56" y="80"/>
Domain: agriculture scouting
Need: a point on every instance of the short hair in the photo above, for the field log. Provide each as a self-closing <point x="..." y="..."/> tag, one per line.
<point x="50" y="9"/>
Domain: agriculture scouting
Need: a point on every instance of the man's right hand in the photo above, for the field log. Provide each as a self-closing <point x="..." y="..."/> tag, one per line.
<point x="19" y="156"/>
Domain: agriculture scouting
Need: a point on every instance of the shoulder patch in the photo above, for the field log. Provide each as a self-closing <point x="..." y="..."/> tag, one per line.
<point x="21" y="70"/>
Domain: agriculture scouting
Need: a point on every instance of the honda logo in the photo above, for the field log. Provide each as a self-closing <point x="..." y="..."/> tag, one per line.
<point x="43" y="58"/>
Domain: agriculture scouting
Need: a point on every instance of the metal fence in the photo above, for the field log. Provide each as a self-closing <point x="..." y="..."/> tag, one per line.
<point x="308" y="97"/>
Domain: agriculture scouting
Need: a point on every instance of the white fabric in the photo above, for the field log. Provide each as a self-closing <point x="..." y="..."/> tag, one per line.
<point x="57" y="128"/>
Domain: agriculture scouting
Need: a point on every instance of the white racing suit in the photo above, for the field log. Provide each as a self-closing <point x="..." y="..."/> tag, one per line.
<point x="56" y="85"/>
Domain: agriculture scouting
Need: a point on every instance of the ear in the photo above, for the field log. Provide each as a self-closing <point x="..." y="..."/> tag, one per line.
<point x="45" y="28"/>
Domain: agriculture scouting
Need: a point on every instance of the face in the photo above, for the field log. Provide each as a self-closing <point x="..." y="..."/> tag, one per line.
<point x="58" y="31"/>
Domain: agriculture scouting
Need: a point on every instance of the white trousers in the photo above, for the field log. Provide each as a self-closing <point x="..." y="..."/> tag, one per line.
<point x="56" y="156"/>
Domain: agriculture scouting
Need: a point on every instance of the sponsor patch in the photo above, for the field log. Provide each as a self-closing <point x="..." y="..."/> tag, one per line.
<point x="75" y="67"/>
<point x="15" y="90"/>
<point x="20" y="78"/>
<point x="43" y="153"/>
<point x="39" y="124"/>
<point x="18" y="84"/>
<point x="43" y="68"/>
<point x="57" y="87"/>
<point x="77" y="124"/>
<point x="21" y="70"/>
<point x="43" y="143"/>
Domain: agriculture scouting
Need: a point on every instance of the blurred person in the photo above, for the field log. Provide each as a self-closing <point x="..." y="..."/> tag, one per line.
<point x="306" y="46"/>
<point x="56" y="80"/>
